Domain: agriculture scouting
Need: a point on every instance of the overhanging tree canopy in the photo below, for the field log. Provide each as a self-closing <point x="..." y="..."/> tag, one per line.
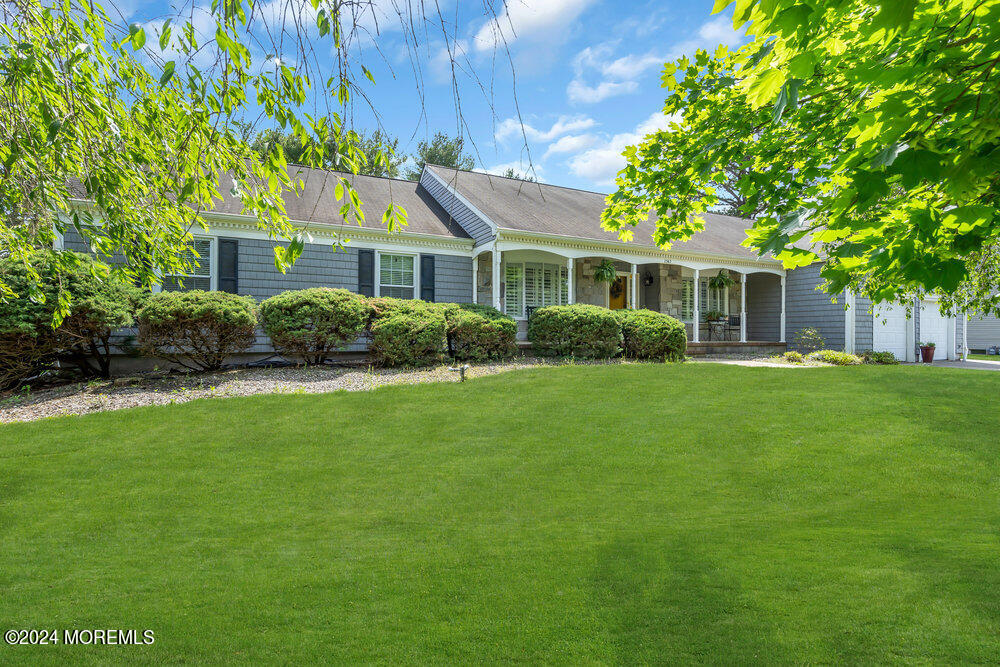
<point x="871" y="134"/>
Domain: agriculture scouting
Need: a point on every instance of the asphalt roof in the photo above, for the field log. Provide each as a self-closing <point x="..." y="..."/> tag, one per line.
<point x="318" y="202"/>
<point x="518" y="205"/>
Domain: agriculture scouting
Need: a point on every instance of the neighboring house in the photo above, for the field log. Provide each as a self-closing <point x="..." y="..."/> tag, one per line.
<point x="520" y="245"/>
<point x="983" y="332"/>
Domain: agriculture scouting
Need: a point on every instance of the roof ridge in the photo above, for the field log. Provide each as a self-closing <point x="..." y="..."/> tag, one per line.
<point x="520" y="180"/>
<point x="347" y="173"/>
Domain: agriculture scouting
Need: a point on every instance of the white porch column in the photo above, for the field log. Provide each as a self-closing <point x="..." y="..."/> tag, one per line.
<point x="475" y="279"/>
<point x="570" y="281"/>
<point x="634" y="293"/>
<point x="850" y="317"/>
<point x="496" y="277"/>
<point x="782" y="330"/>
<point x="743" y="307"/>
<point x="697" y="306"/>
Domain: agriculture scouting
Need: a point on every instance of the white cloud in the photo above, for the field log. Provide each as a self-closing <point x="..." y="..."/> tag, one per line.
<point x="511" y="127"/>
<point x="528" y="18"/>
<point x="571" y="143"/>
<point x="599" y="75"/>
<point x="601" y="163"/>
<point x="710" y="35"/>
<point x="520" y="170"/>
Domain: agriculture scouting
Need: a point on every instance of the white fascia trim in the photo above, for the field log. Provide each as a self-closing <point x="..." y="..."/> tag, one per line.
<point x="548" y="242"/>
<point x="468" y="204"/>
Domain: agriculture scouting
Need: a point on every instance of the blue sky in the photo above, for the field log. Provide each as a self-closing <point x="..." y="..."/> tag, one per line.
<point x="586" y="78"/>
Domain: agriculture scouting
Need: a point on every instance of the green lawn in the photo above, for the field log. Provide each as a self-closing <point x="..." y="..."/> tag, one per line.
<point x="614" y="514"/>
<point x="984" y="357"/>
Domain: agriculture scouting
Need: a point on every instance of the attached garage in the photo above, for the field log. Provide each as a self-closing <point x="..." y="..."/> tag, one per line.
<point x="934" y="328"/>
<point x="890" y="331"/>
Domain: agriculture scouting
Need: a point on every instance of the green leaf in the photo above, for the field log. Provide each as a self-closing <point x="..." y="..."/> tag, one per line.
<point x="368" y="74"/>
<point x="137" y="36"/>
<point x="894" y="14"/>
<point x="720" y="5"/>
<point x="886" y="156"/>
<point x="780" y="103"/>
<point x="965" y="219"/>
<point x="764" y="87"/>
<point x="165" y="35"/>
<point x="919" y="165"/>
<point x="54" y="128"/>
<point x="168" y="73"/>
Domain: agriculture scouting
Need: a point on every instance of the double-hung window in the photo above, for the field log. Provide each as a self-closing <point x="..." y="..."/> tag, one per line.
<point x="396" y="276"/>
<point x="200" y="261"/>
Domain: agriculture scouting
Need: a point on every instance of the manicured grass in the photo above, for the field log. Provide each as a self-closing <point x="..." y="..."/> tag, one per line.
<point x="640" y="513"/>
<point x="984" y="357"/>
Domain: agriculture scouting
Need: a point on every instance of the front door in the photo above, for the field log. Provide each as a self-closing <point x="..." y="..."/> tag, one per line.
<point x="618" y="293"/>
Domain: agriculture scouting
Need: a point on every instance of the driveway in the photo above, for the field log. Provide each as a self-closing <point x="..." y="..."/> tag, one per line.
<point x="971" y="363"/>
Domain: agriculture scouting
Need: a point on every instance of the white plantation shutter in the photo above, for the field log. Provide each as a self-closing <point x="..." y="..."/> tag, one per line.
<point x="549" y="285"/>
<point x="703" y="296"/>
<point x="515" y="285"/>
<point x="563" y="286"/>
<point x="687" y="299"/>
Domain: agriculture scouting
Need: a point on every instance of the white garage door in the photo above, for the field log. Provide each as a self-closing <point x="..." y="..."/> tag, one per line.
<point x="889" y="330"/>
<point x="934" y="328"/>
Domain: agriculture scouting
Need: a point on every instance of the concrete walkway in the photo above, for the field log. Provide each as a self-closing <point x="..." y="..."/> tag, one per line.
<point x="971" y="363"/>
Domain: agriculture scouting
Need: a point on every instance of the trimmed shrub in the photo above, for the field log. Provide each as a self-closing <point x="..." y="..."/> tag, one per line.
<point x="579" y="330"/>
<point x="809" y="340"/>
<point x="793" y="357"/>
<point x="197" y="329"/>
<point x="477" y="333"/>
<point x="312" y="323"/>
<point x="835" y="357"/>
<point x="411" y="333"/>
<point x="879" y="358"/>
<point x="99" y="303"/>
<point x="651" y="335"/>
<point x="406" y="332"/>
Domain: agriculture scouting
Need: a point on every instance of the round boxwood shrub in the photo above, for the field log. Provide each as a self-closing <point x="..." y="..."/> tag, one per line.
<point x="197" y="329"/>
<point x="405" y="332"/>
<point x="478" y="333"/>
<point x="651" y="335"/>
<point x="579" y="330"/>
<point x="32" y="337"/>
<point x="312" y="323"/>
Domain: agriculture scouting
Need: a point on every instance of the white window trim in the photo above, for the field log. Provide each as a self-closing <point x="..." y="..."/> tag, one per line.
<point x="400" y="253"/>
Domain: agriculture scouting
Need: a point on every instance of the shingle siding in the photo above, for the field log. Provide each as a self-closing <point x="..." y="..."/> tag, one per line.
<point x="806" y="306"/>
<point x="763" y="307"/>
<point x="863" y="324"/>
<point x="984" y="332"/>
<point x="452" y="279"/>
<point x="474" y="225"/>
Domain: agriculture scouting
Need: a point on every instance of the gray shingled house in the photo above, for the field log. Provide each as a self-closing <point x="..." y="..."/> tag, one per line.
<point x="520" y="245"/>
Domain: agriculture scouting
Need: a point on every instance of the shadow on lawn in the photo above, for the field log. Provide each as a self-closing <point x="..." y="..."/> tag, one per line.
<point x="667" y="602"/>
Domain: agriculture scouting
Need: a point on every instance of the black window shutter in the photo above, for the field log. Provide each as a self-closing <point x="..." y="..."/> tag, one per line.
<point x="366" y="272"/>
<point x="229" y="271"/>
<point x="427" y="277"/>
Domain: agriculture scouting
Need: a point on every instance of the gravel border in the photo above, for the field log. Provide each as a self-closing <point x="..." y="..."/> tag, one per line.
<point x="154" y="389"/>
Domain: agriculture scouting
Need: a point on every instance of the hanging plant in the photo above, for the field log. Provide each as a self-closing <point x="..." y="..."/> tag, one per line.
<point x="721" y="281"/>
<point x="605" y="272"/>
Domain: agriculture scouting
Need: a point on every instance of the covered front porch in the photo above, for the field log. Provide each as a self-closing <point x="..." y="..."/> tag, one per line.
<point x="725" y="305"/>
